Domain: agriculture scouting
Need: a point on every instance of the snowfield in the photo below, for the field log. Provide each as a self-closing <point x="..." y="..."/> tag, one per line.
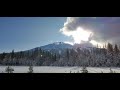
<point x="51" y="69"/>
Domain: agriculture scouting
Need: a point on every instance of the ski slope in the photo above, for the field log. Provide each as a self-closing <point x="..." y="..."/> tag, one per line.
<point x="51" y="69"/>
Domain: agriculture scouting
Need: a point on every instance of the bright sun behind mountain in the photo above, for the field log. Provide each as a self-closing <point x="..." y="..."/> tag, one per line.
<point x="81" y="35"/>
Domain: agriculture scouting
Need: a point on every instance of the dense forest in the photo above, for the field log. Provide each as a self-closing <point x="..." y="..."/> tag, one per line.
<point x="107" y="56"/>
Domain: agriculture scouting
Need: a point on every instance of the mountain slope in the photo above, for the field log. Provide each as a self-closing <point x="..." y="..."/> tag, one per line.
<point x="56" y="47"/>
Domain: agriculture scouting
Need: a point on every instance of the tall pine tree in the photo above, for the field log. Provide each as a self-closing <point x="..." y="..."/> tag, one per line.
<point x="67" y="52"/>
<point x="110" y="47"/>
<point x="116" y="50"/>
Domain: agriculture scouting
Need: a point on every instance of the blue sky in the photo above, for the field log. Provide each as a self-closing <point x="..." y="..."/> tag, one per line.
<point x="23" y="33"/>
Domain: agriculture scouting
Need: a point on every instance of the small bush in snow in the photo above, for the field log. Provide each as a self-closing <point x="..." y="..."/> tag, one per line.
<point x="111" y="71"/>
<point x="30" y="69"/>
<point x="9" y="69"/>
<point x="84" y="70"/>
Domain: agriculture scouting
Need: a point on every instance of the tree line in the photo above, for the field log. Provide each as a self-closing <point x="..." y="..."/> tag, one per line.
<point x="108" y="56"/>
<point x="31" y="57"/>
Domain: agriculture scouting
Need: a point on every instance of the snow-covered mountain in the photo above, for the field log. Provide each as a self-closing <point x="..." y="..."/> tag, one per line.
<point x="60" y="47"/>
<point x="57" y="46"/>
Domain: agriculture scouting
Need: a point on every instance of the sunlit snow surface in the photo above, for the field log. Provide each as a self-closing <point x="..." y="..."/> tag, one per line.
<point x="51" y="69"/>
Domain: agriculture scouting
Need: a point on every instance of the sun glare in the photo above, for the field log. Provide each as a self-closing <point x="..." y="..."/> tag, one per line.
<point x="95" y="43"/>
<point x="81" y="35"/>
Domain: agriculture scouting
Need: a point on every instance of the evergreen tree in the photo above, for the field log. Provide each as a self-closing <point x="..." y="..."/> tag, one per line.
<point x="12" y="54"/>
<point x="36" y="52"/>
<point x="68" y="55"/>
<point x="84" y="70"/>
<point x="3" y="55"/>
<point x="30" y="69"/>
<point x="110" y="47"/>
<point x="40" y="50"/>
<point x="9" y="69"/>
<point x="21" y="54"/>
<point x="105" y="46"/>
<point x="116" y="50"/>
<point x="97" y="46"/>
<point x="55" y="57"/>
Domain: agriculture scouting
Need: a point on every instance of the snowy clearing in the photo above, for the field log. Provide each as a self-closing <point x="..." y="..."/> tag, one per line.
<point x="50" y="69"/>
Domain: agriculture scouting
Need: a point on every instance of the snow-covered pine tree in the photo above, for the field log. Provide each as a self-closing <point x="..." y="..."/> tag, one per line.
<point x="110" y="47"/>
<point x="110" y="52"/>
<point x="111" y="71"/>
<point x="12" y="54"/>
<point x="68" y="54"/>
<point x="116" y="49"/>
<point x="9" y="69"/>
<point x="30" y="69"/>
<point x="84" y="70"/>
<point x="55" y="57"/>
<point x="116" y="57"/>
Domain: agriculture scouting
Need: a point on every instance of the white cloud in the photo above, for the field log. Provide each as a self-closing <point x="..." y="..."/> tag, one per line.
<point x="78" y="34"/>
<point x="103" y="29"/>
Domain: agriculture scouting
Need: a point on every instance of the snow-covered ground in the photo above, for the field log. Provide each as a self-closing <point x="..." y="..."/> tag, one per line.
<point x="48" y="69"/>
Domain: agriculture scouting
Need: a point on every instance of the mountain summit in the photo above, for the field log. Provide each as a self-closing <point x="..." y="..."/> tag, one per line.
<point x="57" y="46"/>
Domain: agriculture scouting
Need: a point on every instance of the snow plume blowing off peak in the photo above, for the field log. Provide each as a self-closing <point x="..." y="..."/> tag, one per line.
<point x="92" y="30"/>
